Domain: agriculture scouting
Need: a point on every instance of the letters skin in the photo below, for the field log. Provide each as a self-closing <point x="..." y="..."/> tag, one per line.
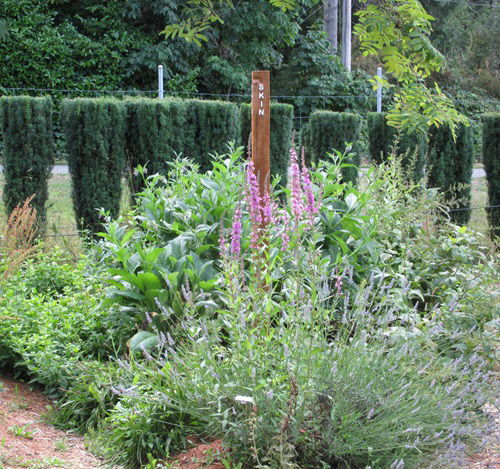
<point x="261" y="96"/>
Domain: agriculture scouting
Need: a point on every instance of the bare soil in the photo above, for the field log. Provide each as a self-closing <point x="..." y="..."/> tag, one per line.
<point x="201" y="455"/>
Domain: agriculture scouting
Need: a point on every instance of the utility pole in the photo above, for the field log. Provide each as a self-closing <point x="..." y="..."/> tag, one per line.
<point x="331" y="19"/>
<point x="346" y="34"/>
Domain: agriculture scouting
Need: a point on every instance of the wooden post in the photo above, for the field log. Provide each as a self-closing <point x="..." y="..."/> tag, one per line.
<point x="261" y="131"/>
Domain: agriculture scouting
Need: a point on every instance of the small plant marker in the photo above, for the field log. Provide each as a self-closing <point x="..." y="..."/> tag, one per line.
<point x="261" y="133"/>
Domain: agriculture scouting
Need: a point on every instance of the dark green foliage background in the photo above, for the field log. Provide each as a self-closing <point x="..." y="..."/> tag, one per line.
<point x="210" y="125"/>
<point x="411" y="147"/>
<point x="450" y="165"/>
<point x="95" y="136"/>
<point x="28" y="150"/>
<point x="328" y="131"/>
<point x="491" y="160"/>
<point x="155" y="132"/>
<point x="281" y="136"/>
<point x="62" y="44"/>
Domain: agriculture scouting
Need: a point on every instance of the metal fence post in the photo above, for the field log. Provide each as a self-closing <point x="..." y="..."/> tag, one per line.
<point x="160" y="81"/>
<point x="379" y="90"/>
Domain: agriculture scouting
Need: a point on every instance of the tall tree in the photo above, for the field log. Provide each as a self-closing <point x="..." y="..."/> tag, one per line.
<point x="331" y="19"/>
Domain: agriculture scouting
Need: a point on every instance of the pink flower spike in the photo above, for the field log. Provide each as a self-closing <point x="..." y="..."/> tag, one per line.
<point x="223" y="248"/>
<point x="297" y="202"/>
<point x="311" y="206"/>
<point x="268" y="209"/>
<point x="236" y="233"/>
<point x="285" y="235"/>
<point x="254" y="196"/>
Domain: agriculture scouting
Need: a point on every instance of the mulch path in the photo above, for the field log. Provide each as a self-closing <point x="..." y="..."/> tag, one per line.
<point x="27" y="441"/>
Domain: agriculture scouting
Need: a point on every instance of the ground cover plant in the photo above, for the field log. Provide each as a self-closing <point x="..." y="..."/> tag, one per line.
<point x="340" y="335"/>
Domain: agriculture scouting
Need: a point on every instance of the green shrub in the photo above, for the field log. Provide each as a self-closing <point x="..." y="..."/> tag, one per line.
<point x="49" y="325"/>
<point x="28" y="150"/>
<point x="491" y="160"/>
<point x="210" y="126"/>
<point x="281" y="136"/>
<point x="155" y="133"/>
<point x="384" y="140"/>
<point x="450" y="164"/>
<point x="329" y="131"/>
<point x="95" y="137"/>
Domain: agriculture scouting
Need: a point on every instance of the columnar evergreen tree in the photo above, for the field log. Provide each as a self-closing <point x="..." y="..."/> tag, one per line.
<point x="491" y="160"/>
<point x="328" y="131"/>
<point x="281" y="135"/>
<point x="210" y="126"/>
<point x="450" y="164"/>
<point x="95" y="136"/>
<point x="385" y="139"/>
<point x="29" y="150"/>
<point x="155" y="134"/>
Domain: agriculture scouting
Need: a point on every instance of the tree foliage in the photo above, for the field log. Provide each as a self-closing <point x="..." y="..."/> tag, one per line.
<point x="199" y="15"/>
<point x="63" y="44"/>
<point x="397" y="33"/>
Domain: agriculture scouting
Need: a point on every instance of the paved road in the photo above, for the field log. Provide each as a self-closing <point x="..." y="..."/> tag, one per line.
<point x="63" y="169"/>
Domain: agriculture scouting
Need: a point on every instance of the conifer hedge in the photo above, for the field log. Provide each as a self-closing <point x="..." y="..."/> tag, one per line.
<point x="95" y="136"/>
<point x="281" y="136"/>
<point x="384" y="139"/>
<point x="155" y="134"/>
<point x="28" y="154"/>
<point x="450" y="166"/>
<point x="209" y="127"/>
<point x="491" y="160"/>
<point x="157" y="130"/>
<point x="328" y="131"/>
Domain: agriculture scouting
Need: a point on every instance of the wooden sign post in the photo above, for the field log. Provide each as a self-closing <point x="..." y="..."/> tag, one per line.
<point x="261" y="132"/>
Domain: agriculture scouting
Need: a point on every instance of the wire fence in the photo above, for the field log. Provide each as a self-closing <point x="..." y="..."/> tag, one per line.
<point x="74" y="234"/>
<point x="303" y="105"/>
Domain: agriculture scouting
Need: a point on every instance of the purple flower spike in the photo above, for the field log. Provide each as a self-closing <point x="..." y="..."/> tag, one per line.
<point x="254" y="195"/>
<point x="236" y="233"/>
<point x="311" y="206"/>
<point x="297" y="202"/>
<point x="268" y="209"/>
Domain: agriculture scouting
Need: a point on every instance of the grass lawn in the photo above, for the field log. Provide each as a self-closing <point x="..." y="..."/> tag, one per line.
<point x="61" y="224"/>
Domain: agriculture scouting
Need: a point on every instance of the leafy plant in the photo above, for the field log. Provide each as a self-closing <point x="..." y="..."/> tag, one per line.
<point x="22" y="431"/>
<point x="169" y="240"/>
